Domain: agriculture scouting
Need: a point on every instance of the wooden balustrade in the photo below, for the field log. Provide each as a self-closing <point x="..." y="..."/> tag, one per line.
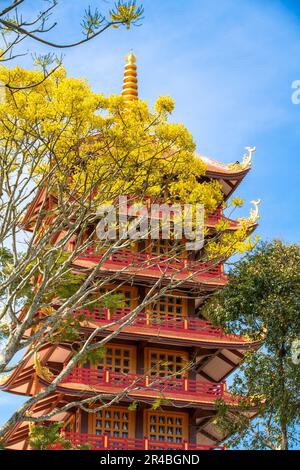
<point x="154" y="321"/>
<point x="168" y="384"/>
<point x="104" y="441"/>
<point x="161" y="263"/>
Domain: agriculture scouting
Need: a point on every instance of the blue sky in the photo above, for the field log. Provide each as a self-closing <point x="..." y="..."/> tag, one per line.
<point x="229" y="65"/>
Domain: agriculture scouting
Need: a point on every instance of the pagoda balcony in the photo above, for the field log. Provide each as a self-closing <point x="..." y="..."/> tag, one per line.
<point x="105" y="442"/>
<point x="143" y="385"/>
<point x="151" y="323"/>
<point x="144" y="263"/>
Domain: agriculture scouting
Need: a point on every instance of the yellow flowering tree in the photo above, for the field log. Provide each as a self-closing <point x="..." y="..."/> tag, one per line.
<point x="82" y="149"/>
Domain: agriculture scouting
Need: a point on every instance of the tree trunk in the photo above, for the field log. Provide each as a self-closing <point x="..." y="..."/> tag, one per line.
<point x="284" y="440"/>
<point x="283" y="426"/>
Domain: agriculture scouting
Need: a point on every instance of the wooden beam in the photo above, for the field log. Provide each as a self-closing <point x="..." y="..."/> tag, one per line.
<point x="200" y="413"/>
<point x="232" y="185"/>
<point x="206" y="376"/>
<point x="203" y="423"/>
<point x="206" y="352"/>
<point x="206" y="361"/>
<point x="209" y="436"/>
<point x="237" y="353"/>
<point x="226" y="359"/>
<point x="30" y="384"/>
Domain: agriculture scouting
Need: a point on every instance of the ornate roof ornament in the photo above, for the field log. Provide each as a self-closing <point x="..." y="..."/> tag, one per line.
<point x="247" y="159"/>
<point x="231" y="167"/>
<point x="130" y="83"/>
<point x="254" y="213"/>
<point x="40" y="370"/>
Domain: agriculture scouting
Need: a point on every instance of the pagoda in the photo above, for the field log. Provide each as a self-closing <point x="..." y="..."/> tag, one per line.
<point x="171" y="333"/>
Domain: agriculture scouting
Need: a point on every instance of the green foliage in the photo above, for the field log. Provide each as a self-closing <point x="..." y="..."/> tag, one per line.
<point x="92" y="21"/>
<point x="68" y="330"/>
<point x="82" y="447"/>
<point x="133" y="406"/>
<point x="237" y="201"/>
<point x="263" y="294"/>
<point x="156" y="404"/>
<point x="43" y="437"/>
<point x="66" y="286"/>
<point x="127" y="13"/>
<point x="7" y="267"/>
<point x="273" y="391"/>
<point x="48" y="437"/>
<point x="93" y="356"/>
<point x="68" y="283"/>
<point x="263" y="299"/>
<point x="6" y="258"/>
<point x="4" y="330"/>
<point x="113" y="301"/>
<point x="159" y="402"/>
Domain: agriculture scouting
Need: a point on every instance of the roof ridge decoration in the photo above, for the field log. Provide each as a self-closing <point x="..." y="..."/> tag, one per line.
<point x="243" y="165"/>
<point x="247" y="159"/>
<point x="254" y="214"/>
<point x="41" y="370"/>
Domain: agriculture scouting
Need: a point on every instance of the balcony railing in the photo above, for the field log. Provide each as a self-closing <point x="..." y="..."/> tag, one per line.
<point x="161" y="263"/>
<point x="104" y="441"/>
<point x="137" y="382"/>
<point x="154" y="321"/>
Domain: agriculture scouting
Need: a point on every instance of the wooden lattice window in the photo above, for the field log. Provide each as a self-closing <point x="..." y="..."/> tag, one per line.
<point x="162" y="362"/>
<point x="163" y="247"/>
<point x="114" y="422"/>
<point x="118" y="358"/>
<point x="168" y="307"/>
<point x="168" y="427"/>
<point x="128" y="295"/>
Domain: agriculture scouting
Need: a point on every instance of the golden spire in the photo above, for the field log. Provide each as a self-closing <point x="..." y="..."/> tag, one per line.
<point x="130" y="85"/>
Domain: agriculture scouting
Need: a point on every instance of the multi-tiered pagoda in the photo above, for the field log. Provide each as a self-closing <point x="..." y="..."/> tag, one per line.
<point x="170" y="334"/>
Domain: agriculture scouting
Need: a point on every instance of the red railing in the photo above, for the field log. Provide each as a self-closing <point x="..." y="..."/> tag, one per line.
<point x="104" y="441"/>
<point x="128" y="258"/>
<point x="170" y="385"/>
<point x="155" y="322"/>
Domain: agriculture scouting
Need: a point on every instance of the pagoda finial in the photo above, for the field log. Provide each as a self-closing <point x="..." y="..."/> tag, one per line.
<point x="130" y="84"/>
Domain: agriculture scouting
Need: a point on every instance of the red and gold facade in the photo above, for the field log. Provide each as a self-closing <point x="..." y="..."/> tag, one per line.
<point x="169" y="353"/>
